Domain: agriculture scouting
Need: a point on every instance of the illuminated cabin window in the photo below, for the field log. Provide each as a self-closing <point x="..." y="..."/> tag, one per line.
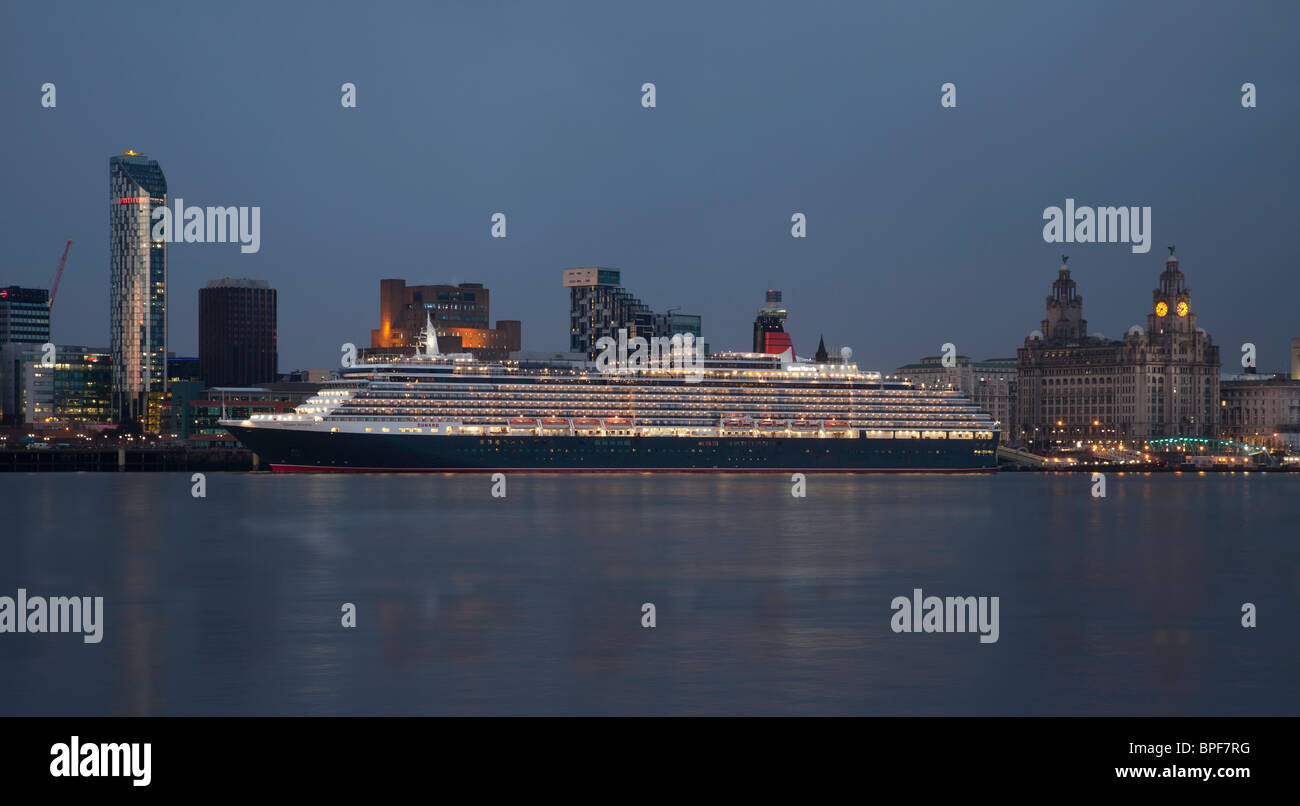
<point x="369" y="430"/>
<point x="907" y="435"/>
<point x="334" y="430"/>
<point x="984" y="435"/>
<point x="961" y="435"/>
<point x="384" y="429"/>
<point x="878" y="434"/>
<point x="934" y="434"/>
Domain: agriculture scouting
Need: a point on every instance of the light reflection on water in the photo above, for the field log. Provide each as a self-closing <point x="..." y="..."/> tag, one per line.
<point x="765" y="603"/>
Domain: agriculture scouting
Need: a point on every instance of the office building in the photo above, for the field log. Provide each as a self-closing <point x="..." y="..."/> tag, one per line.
<point x="460" y="315"/>
<point x="75" y="390"/>
<point x="599" y="307"/>
<point x="24" y="315"/>
<point x="237" y="333"/>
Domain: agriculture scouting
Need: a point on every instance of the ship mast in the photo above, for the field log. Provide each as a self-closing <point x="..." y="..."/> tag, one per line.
<point x="430" y="335"/>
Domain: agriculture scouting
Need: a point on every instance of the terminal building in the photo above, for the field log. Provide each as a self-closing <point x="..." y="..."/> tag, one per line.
<point x="203" y="414"/>
<point x="1159" y="381"/>
<point x="460" y="315"/>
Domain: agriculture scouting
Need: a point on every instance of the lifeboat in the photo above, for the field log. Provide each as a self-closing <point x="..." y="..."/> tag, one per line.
<point x="586" y="422"/>
<point x="743" y="425"/>
<point x="522" y="422"/>
<point x="555" y="422"/>
<point x="771" y="425"/>
<point x="836" y="425"/>
<point x="804" y="427"/>
<point x="617" y="422"/>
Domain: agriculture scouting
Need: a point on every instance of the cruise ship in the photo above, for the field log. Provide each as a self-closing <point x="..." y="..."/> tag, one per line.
<point x="730" y="412"/>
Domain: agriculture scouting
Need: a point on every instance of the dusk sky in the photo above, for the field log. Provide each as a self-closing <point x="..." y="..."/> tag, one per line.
<point x="925" y="224"/>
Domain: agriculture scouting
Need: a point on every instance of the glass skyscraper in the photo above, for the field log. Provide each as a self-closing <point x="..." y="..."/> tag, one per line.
<point x="138" y="292"/>
<point x="24" y="315"/>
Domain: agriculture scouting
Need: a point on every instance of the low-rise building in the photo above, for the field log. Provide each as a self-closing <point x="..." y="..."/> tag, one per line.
<point x="1261" y="410"/>
<point x="238" y="403"/>
<point x="73" y="388"/>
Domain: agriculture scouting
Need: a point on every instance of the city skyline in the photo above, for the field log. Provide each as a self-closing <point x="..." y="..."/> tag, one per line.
<point x="924" y="224"/>
<point x="926" y="359"/>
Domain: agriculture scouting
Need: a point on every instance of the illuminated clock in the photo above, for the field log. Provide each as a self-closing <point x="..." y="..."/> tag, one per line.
<point x="1182" y="309"/>
<point x="1161" y="309"/>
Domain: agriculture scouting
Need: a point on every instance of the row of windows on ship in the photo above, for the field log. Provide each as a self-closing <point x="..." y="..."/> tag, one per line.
<point x="695" y="409"/>
<point x="558" y="386"/>
<point x="789" y="430"/>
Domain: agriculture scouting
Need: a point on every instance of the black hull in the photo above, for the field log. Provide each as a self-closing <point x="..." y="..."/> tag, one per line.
<point x="317" y="451"/>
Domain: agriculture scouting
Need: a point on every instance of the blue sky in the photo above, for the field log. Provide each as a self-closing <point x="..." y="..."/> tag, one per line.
<point x="924" y="223"/>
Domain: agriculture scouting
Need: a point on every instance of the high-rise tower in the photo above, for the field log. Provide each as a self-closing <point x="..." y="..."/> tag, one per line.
<point x="137" y="292"/>
<point x="237" y="333"/>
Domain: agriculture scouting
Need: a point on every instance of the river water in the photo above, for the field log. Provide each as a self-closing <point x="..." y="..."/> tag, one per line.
<point x="764" y="603"/>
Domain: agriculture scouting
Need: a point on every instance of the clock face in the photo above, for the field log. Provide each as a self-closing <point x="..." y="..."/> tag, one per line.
<point x="1161" y="309"/>
<point x="1182" y="309"/>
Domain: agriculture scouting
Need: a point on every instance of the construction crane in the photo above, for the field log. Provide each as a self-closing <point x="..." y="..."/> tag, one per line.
<point x="58" y="275"/>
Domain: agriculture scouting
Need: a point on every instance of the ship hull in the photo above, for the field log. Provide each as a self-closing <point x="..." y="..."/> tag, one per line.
<point x="288" y="450"/>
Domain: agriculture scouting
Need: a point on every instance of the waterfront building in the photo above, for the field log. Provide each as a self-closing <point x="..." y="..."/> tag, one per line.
<point x="307" y="376"/>
<point x="24" y="315"/>
<point x="237" y="333"/>
<point x="599" y="306"/>
<point x="75" y="390"/>
<point x="137" y="292"/>
<point x="686" y="323"/>
<point x="990" y="384"/>
<point x="1158" y="381"/>
<point x="208" y="408"/>
<point x="460" y="315"/>
<point x="1261" y="410"/>
<point x="183" y="368"/>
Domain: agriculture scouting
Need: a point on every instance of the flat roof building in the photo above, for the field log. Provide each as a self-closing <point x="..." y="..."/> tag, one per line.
<point x="460" y="315"/>
<point x="24" y="315"/>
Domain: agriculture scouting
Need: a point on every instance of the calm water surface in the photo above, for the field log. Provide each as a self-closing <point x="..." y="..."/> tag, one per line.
<point x="766" y="604"/>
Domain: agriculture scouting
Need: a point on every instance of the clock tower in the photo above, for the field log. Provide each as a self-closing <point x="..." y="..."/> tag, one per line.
<point x="1171" y="303"/>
